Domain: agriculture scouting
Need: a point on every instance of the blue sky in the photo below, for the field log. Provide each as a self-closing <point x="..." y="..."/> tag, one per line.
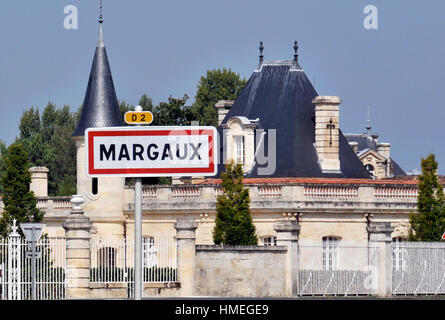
<point x="162" y="48"/>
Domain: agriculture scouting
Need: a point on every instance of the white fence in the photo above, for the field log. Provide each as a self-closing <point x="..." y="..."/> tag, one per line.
<point x="337" y="269"/>
<point x="15" y="269"/>
<point x="418" y="268"/>
<point x="112" y="261"/>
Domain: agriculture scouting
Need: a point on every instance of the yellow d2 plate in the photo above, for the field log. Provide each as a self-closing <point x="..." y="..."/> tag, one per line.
<point x="138" y="117"/>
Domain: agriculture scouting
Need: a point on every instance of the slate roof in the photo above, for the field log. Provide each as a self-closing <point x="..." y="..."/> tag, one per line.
<point x="280" y="94"/>
<point x="100" y="107"/>
<point x="365" y="141"/>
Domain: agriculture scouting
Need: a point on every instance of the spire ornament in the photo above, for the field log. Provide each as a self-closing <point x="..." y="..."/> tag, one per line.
<point x="101" y="19"/>
<point x="296" y="50"/>
<point x="261" y="52"/>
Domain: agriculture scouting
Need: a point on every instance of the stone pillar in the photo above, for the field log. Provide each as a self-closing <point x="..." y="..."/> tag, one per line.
<point x="287" y="235"/>
<point x="327" y="133"/>
<point x="39" y="181"/>
<point x="185" y="236"/>
<point x="380" y="235"/>
<point x="223" y="107"/>
<point x="77" y="233"/>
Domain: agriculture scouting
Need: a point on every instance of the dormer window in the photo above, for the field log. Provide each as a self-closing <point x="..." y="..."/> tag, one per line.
<point x="240" y="138"/>
<point x="239" y="149"/>
<point x="370" y="169"/>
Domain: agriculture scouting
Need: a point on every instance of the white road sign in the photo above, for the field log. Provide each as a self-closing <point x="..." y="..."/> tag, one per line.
<point x="151" y="151"/>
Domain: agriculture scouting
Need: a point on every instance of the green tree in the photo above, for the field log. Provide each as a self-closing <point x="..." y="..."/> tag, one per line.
<point x="234" y="224"/>
<point x="19" y="202"/>
<point x="146" y="103"/>
<point x="47" y="139"/>
<point x="172" y="113"/>
<point x="29" y="123"/>
<point x="216" y="85"/>
<point x="429" y="223"/>
<point x="3" y="152"/>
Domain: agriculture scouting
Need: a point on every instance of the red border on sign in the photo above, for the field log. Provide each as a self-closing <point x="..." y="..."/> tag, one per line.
<point x="167" y="132"/>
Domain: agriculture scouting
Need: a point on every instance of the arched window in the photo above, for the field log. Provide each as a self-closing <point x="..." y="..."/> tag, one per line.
<point x="398" y="254"/>
<point x="330" y="253"/>
<point x="94" y="186"/>
<point x="370" y="169"/>
<point x="269" y="241"/>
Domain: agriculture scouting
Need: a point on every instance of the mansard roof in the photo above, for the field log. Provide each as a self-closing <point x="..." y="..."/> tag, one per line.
<point x="280" y="95"/>
<point x="100" y="107"/>
<point x="367" y="141"/>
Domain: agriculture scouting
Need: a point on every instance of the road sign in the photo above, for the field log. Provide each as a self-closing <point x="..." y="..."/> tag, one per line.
<point x="32" y="231"/>
<point x="151" y="151"/>
<point x="443" y="236"/>
<point x="138" y="117"/>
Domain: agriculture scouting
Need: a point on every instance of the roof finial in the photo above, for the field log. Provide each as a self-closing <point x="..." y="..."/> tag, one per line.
<point x="101" y="19"/>
<point x="368" y="123"/>
<point x="100" y="43"/>
<point x="261" y="52"/>
<point x="296" y="50"/>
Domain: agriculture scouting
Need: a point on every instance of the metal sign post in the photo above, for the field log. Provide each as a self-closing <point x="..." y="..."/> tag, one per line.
<point x="138" y="281"/>
<point x="138" y="239"/>
<point x="32" y="232"/>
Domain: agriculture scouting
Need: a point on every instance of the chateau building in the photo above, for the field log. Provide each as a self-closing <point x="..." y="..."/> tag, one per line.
<point x="298" y="163"/>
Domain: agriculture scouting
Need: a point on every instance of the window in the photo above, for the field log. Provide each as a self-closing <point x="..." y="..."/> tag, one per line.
<point x="330" y="253"/>
<point x="269" y="241"/>
<point x="370" y="169"/>
<point x="398" y="254"/>
<point x="150" y="252"/>
<point x="94" y="186"/>
<point x="107" y="257"/>
<point x="239" y="149"/>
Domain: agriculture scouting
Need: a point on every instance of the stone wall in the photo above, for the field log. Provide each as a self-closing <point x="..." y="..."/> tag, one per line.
<point x="240" y="271"/>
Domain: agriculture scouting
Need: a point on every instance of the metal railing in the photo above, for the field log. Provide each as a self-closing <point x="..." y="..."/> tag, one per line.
<point x="343" y="269"/>
<point x="112" y="261"/>
<point x="15" y="269"/>
<point x="418" y="268"/>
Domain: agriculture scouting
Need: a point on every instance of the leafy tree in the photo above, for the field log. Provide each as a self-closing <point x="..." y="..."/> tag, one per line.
<point x="216" y="85"/>
<point x="29" y="123"/>
<point x="172" y="113"/>
<point x="19" y="202"/>
<point x="3" y="152"/>
<point x="47" y="139"/>
<point x="234" y="224"/>
<point x="429" y="223"/>
<point x="146" y="103"/>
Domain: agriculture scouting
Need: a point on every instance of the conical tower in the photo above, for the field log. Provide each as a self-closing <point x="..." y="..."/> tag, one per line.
<point x="103" y="196"/>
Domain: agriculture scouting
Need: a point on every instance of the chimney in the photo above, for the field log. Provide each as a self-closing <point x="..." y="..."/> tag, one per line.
<point x="39" y="181"/>
<point x="384" y="149"/>
<point x="354" y="146"/>
<point x="223" y="107"/>
<point x="326" y="132"/>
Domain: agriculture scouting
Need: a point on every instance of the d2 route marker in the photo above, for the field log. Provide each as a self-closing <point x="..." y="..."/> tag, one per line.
<point x="151" y="151"/>
<point x="138" y="117"/>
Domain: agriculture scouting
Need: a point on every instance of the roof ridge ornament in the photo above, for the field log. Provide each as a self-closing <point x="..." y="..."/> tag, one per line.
<point x="261" y="52"/>
<point x="296" y="50"/>
<point x="100" y="43"/>
<point x="101" y="19"/>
